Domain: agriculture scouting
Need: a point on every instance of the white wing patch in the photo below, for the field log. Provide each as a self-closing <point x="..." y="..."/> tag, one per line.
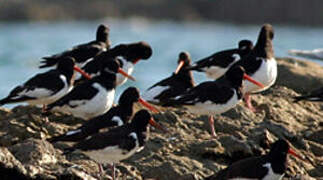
<point x="150" y="94"/>
<point x="73" y="132"/>
<point x="118" y="120"/>
<point x="271" y="175"/>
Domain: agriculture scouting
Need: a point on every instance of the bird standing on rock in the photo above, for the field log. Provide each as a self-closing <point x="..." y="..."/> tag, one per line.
<point x="82" y="52"/>
<point x="126" y="54"/>
<point x="45" y="88"/>
<point x="119" y="143"/>
<point x="271" y="166"/>
<point x="214" y="97"/>
<point x="181" y="80"/>
<point x="116" y="116"/>
<point x="90" y="98"/>
<point x="260" y="64"/>
<point x="218" y="63"/>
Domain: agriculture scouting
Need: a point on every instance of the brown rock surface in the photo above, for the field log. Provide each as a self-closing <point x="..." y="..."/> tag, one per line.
<point x="188" y="151"/>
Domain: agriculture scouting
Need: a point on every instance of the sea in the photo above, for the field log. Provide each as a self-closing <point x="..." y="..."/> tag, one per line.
<point x="23" y="44"/>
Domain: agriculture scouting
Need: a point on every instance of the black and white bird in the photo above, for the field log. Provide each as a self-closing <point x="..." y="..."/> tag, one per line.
<point x="174" y="85"/>
<point x="83" y="52"/>
<point x="260" y="64"/>
<point x="119" y="143"/>
<point x="90" y="98"/>
<point x="316" y="95"/>
<point x="218" y="63"/>
<point x="116" y="116"/>
<point x="271" y="166"/>
<point x="127" y="55"/>
<point x="45" y="88"/>
<point x="214" y="97"/>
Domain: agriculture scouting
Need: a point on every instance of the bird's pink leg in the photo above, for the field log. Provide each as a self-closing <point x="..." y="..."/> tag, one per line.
<point x="211" y="122"/>
<point x="247" y="100"/>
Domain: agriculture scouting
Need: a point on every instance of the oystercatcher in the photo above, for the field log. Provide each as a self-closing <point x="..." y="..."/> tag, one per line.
<point x="119" y="143"/>
<point x="316" y="95"/>
<point x="127" y="55"/>
<point x="181" y="80"/>
<point x="217" y="64"/>
<point x="260" y="64"/>
<point x="214" y="97"/>
<point x="90" y="98"/>
<point x="83" y="52"/>
<point x="116" y="116"/>
<point x="270" y="166"/>
<point x="45" y="88"/>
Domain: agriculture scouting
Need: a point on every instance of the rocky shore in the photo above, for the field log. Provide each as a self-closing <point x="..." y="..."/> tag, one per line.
<point x="188" y="152"/>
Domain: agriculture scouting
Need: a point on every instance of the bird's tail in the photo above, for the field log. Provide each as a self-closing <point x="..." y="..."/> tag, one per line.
<point x="71" y="136"/>
<point x="48" y="62"/>
<point x="4" y="101"/>
<point x="307" y="98"/>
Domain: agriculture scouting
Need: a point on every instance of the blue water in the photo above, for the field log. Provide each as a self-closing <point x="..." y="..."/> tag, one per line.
<point x="23" y="44"/>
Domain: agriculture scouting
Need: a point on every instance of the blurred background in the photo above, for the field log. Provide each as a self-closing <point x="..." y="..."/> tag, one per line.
<point x="32" y="29"/>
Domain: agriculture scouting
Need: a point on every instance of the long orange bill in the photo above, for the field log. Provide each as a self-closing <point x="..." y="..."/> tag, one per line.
<point x="179" y="66"/>
<point x="147" y="105"/>
<point x="245" y="76"/>
<point x="156" y="125"/>
<point x="86" y="75"/>
<point x="292" y="152"/>
<point x="121" y="71"/>
<point x="137" y="60"/>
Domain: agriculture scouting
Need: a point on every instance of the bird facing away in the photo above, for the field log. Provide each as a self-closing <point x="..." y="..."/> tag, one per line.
<point x="218" y="63"/>
<point x="214" y="97"/>
<point x="127" y="55"/>
<point x="83" y="52"/>
<point x="91" y="98"/>
<point x="116" y="116"/>
<point x="260" y="64"/>
<point x="270" y="166"/>
<point x="174" y="85"/>
<point x="119" y="143"/>
<point x="45" y="88"/>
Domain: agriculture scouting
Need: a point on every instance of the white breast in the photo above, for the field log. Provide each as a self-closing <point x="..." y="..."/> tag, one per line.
<point x="113" y="154"/>
<point x="128" y="68"/>
<point x="152" y="93"/>
<point x="96" y="106"/>
<point x="118" y="120"/>
<point x="266" y="74"/>
<point x="209" y="108"/>
<point x="271" y="175"/>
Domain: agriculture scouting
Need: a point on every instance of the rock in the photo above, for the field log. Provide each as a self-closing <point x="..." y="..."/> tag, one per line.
<point x="10" y="167"/>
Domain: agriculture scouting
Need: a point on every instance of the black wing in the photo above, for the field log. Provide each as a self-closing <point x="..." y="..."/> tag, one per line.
<point x="221" y="59"/>
<point x="84" y="91"/>
<point x="40" y="86"/>
<point x="80" y="53"/>
<point x="316" y="95"/>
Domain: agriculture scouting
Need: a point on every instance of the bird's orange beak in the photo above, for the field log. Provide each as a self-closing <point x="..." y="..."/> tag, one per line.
<point x="86" y="75"/>
<point x="245" y="76"/>
<point x="292" y="152"/>
<point x="156" y="125"/>
<point x="147" y="105"/>
<point x="179" y="66"/>
<point x="121" y="71"/>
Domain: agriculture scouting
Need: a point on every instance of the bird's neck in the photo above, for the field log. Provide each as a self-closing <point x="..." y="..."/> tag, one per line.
<point x="264" y="48"/>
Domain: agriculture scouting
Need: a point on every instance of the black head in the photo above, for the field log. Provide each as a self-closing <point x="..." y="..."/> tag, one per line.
<point x="235" y="76"/>
<point x="137" y="51"/>
<point x="184" y="56"/>
<point x="102" y="34"/>
<point x="245" y="45"/>
<point x="279" y="149"/>
<point x="66" y="64"/>
<point x="141" y="120"/>
<point x="129" y="96"/>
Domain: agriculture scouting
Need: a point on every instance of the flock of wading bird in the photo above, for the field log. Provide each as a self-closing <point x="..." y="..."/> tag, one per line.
<point x="89" y="94"/>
